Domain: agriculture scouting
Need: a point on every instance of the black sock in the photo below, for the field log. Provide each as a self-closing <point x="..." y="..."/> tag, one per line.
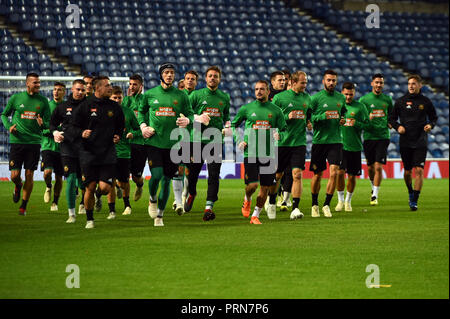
<point x="410" y="189"/>
<point x="89" y="214"/>
<point x="126" y="201"/>
<point x="416" y="196"/>
<point x="295" y="203"/>
<point x="112" y="207"/>
<point x="272" y="198"/>
<point x="24" y="204"/>
<point x="328" y="199"/>
<point x="139" y="185"/>
<point x="55" y="199"/>
<point x="315" y="199"/>
<point x="97" y="193"/>
<point x="49" y="185"/>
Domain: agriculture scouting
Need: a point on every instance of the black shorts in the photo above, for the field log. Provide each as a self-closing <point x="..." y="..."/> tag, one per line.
<point x="24" y="154"/>
<point x="160" y="157"/>
<point x="413" y="157"/>
<point x="320" y="153"/>
<point x="292" y="157"/>
<point x="254" y="171"/>
<point x="351" y="162"/>
<point x="95" y="173"/>
<point x="138" y="159"/>
<point x="201" y="152"/>
<point x="123" y="170"/>
<point x="52" y="160"/>
<point x="376" y="151"/>
<point x="71" y="165"/>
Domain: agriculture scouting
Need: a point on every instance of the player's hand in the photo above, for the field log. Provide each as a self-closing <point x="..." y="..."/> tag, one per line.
<point x="116" y="138"/>
<point x="86" y="133"/>
<point x="129" y="136"/>
<point x="147" y="131"/>
<point x="242" y="146"/>
<point x="291" y="115"/>
<point x="309" y="126"/>
<point x="427" y="128"/>
<point x="276" y="136"/>
<point x="39" y="120"/>
<point x="129" y="91"/>
<point x="13" y="129"/>
<point x="58" y="136"/>
<point x="182" y="121"/>
<point x="401" y="130"/>
<point x="203" y="118"/>
<point x="227" y="131"/>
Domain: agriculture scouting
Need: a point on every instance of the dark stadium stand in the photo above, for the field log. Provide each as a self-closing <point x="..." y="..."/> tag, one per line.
<point x="248" y="39"/>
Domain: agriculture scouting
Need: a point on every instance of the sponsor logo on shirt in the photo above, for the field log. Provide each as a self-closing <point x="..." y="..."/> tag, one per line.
<point x="29" y="115"/>
<point x="408" y="104"/>
<point x="325" y="105"/>
<point x="93" y="112"/>
<point x="377" y="113"/>
<point x="261" y="125"/>
<point x="298" y="114"/>
<point x="204" y="102"/>
<point x="21" y="105"/>
<point x="213" y="111"/>
<point x="254" y="114"/>
<point x="165" y="111"/>
<point x="372" y="106"/>
<point x="349" y="122"/>
<point x="155" y="102"/>
<point x="332" y="115"/>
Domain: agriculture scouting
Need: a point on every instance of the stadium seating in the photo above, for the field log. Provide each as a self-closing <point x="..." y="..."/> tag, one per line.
<point x="247" y="39"/>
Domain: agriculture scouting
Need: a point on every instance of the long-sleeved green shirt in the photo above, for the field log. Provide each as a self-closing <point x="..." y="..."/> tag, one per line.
<point x="24" y="109"/>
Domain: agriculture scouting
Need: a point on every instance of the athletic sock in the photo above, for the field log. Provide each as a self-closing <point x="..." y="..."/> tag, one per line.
<point x="416" y="196"/>
<point x="71" y="187"/>
<point x="72" y="212"/>
<point x="256" y="211"/>
<point x="49" y="185"/>
<point x="295" y="203"/>
<point x="164" y="193"/>
<point x="315" y="199"/>
<point x="341" y="195"/>
<point x="375" y="191"/>
<point x="348" y="198"/>
<point x="410" y="188"/>
<point x="209" y="204"/>
<point x="126" y="201"/>
<point x="328" y="199"/>
<point x="272" y="199"/>
<point x="286" y="196"/>
<point x="112" y="207"/>
<point x="24" y="204"/>
<point x="245" y="197"/>
<point x="89" y="214"/>
<point x="98" y="193"/>
<point x="160" y="213"/>
<point x="371" y="184"/>
<point x="177" y="184"/>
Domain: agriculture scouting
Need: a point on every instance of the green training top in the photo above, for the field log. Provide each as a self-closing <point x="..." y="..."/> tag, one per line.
<point x="378" y="107"/>
<point x="259" y="117"/>
<point x="351" y="133"/>
<point x="133" y="102"/>
<point x="123" y="148"/>
<point x="188" y="92"/>
<point x="217" y="104"/>
<point x="48" y="142"/>
<point x="299" y="103"/>
<point x="160" y="109"/>
<point x="326" y="113"/>
<point x="24" y="109"/>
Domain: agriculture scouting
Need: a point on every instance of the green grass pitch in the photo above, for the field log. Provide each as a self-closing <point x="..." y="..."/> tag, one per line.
<point x="229" y="258"/>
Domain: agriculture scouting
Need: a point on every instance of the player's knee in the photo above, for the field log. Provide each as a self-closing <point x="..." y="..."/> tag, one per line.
<point x="278" y="176"/>
<point x="252" y="186"/>
<point x="297" y="174"/>
<point x="419" y="171"/>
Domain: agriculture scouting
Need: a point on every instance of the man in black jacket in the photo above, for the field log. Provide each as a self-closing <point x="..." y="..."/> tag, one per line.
<point x="99" y="122"/>
<point x="69" y="145"/>
<point x="417" y="118"/>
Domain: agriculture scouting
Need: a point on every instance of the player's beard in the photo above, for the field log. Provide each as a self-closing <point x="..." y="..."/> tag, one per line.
<point x="327" y="88"/>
